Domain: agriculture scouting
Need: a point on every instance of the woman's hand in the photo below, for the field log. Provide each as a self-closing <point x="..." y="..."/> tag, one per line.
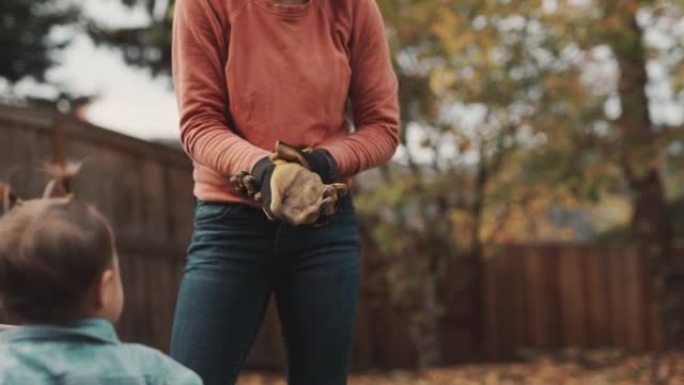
<point x="299" y="197"/>
<point x="290" y="192"/>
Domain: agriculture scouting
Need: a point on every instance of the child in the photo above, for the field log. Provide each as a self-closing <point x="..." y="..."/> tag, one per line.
<point x="59" y="277"/>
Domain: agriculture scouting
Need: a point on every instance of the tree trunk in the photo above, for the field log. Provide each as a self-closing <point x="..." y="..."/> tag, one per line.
<point x="477" y="318"/>
<point x="651" y="225"/>
<point x="424" y="328"/>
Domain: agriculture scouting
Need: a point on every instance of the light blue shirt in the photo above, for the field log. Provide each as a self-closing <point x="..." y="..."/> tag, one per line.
<point x="86" y="352"/>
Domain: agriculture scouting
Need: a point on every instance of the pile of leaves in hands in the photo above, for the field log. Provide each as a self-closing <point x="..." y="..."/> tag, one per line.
<point x="568" y="368"/>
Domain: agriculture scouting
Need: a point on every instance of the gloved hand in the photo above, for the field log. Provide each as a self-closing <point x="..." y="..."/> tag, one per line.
<point x="245" y="184"/>
<point x="289" y="192"/>
<point x="319" y="161"/>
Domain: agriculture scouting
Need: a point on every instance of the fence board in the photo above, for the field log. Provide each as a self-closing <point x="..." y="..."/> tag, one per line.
<point x="617" y="298"/>
<point x="636" y="311"/>
<point x="543" y="306"/>
<point x="492" y="315"/>
<point x="571" y="288"/>
<point x="505" y="283"/>
<point x="534" y="280"/>
<point x="596" y="297"/>
<point x="519" y="298"/>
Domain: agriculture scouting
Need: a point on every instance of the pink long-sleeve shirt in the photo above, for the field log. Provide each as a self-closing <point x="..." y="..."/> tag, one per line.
<point x="250" y="72"/>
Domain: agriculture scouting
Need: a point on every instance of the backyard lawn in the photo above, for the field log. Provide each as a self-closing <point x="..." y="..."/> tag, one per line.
<point x="603" y="368"/>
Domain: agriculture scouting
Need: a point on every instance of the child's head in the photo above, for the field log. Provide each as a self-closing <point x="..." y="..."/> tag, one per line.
<point x="58" y="263"/>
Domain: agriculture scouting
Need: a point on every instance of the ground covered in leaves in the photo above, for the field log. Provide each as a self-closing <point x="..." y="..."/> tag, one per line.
<point x="586" y="369"/>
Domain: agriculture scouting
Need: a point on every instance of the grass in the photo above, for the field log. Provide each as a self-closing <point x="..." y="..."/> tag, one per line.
<point x="598" y="368"/>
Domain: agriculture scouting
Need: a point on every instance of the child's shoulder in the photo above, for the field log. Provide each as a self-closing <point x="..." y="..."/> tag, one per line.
<point x="12" y="366"/>
<point x="8" y="360"/>
<point x="159" y="363"/>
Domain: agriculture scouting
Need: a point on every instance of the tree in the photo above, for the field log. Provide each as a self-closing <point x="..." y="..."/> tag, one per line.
<point x="546" y="120"/>
<point x="147" y="46"/>
<point x="495" y="78"/>
<point x="641" y="157"/>
<point x="27" y="47"/>
<point x="634" y="142"/>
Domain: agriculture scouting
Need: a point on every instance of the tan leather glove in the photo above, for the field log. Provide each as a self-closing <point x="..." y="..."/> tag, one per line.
<point x="299" y="197"/>
<point x="319" y="161"/>
<point x="289" y="192"/>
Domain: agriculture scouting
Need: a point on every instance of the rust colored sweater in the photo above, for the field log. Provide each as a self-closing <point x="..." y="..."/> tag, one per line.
<point x="250" y="72"/>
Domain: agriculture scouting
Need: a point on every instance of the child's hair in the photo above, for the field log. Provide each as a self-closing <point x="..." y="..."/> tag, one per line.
<point x="52" y="252"/>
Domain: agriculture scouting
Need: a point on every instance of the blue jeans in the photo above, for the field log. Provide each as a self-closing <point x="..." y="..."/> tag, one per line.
<point x="236" y="259"/>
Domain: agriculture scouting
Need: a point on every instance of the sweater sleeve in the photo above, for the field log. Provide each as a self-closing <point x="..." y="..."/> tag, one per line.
<point x="199" y="52"/>
<point x="373" y="95"/>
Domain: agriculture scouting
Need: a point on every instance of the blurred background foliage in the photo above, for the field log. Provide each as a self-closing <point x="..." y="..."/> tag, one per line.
<point x="524" y="121"/>
<point x="25" y="24"/>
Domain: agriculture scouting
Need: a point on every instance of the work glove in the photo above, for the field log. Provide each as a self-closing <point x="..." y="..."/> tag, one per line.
<point x="289" y="192"/>
<point x="319" y="161"/>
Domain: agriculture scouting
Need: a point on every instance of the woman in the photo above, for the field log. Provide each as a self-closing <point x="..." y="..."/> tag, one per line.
<point x="249" y="73"/>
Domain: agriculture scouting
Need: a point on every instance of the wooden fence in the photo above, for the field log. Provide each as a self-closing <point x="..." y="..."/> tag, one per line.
<point x="551" y="297"/>
<point x="542" y="297"/>
<point x="534" y="298"/>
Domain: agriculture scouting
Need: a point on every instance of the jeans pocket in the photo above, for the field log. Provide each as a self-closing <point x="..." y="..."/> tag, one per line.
<point x="213" y="211"/>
